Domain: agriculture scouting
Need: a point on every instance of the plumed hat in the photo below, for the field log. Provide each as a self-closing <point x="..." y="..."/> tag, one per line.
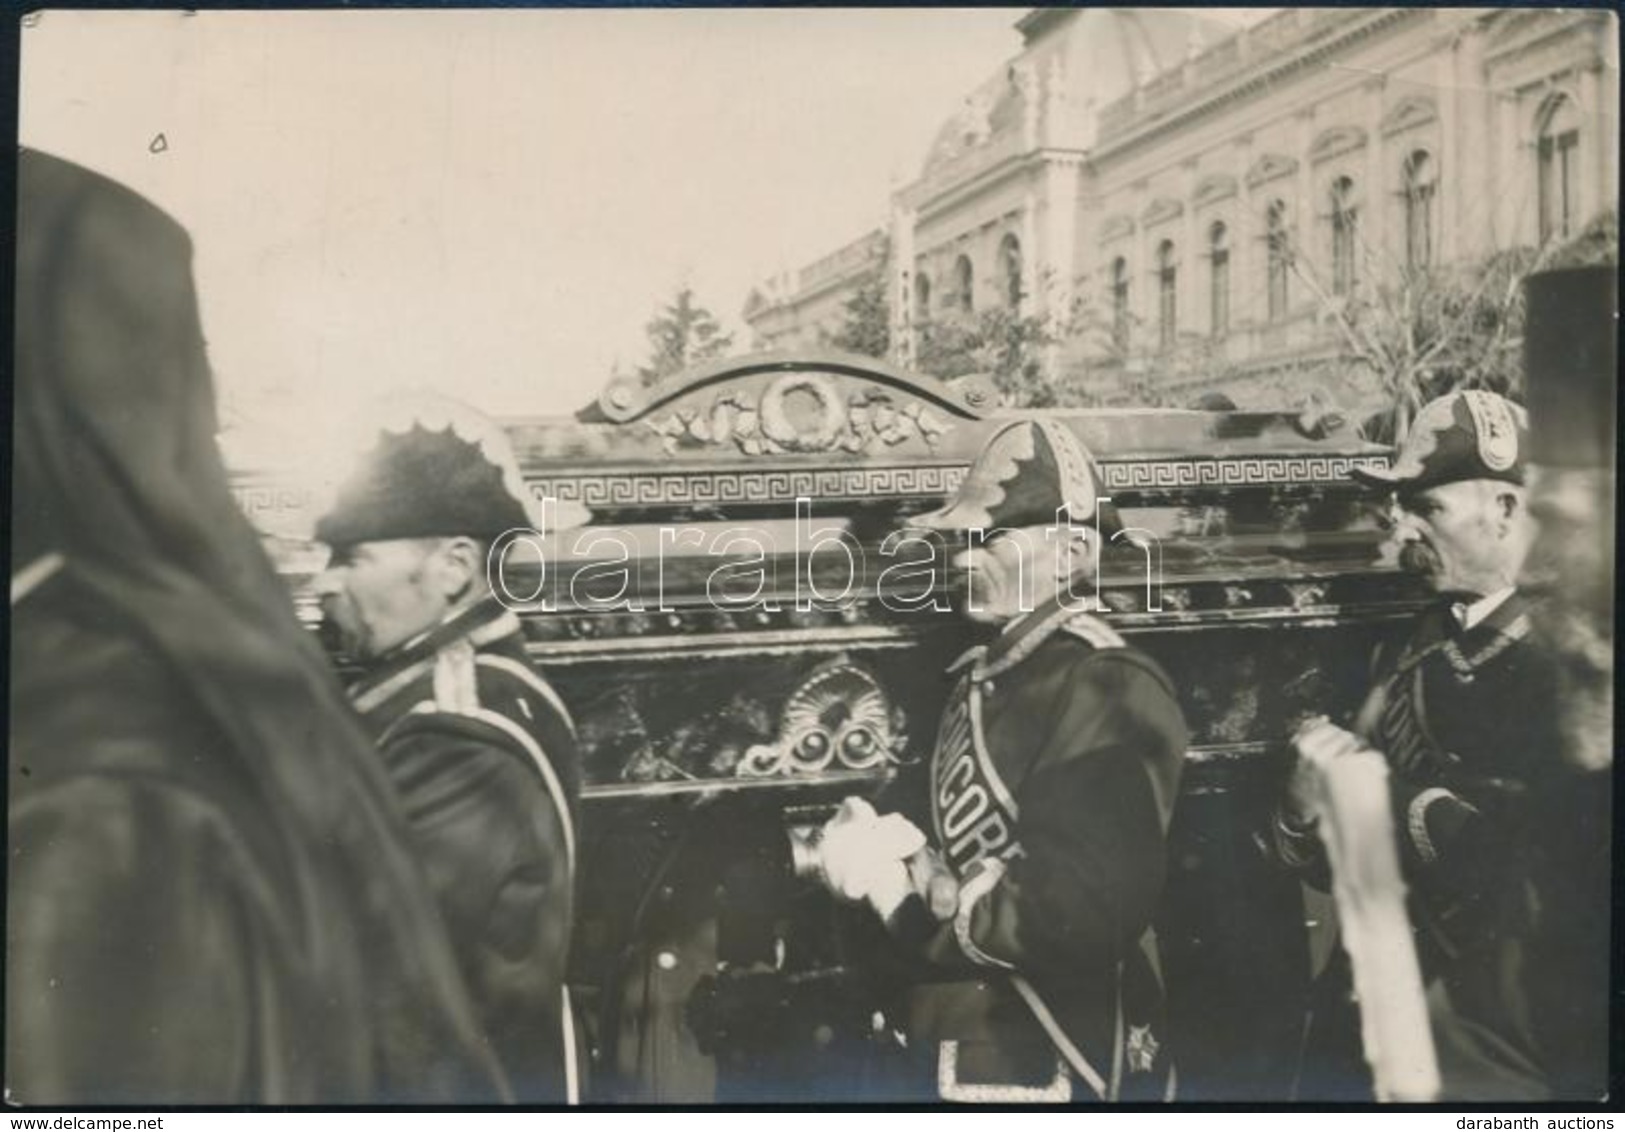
<point x="1026" y="474"/>
<point x="435" y="469"/>
<point x="1466" y="435"/>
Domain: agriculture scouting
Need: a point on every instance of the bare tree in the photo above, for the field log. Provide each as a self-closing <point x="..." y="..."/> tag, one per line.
<point x="1435" y="329"/>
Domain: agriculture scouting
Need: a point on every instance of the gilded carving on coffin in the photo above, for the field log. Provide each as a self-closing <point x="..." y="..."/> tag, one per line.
<point x="838" y="719"/>
<point x="781" y="485"/>
<point x="1306" y="595"/>
<point x="799" y="413"/>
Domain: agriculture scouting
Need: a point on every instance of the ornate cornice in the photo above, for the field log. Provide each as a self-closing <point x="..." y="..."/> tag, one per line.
<point x="1335" y="142"/>
<point x="829" y="371"/>
<point x="1116" y="228"/>
<point x="262" y="496"/>
<point x="1262" y="80"/>
<point x="1508" y="38"/>
<point x="1271" y="167"/>
<point x="1214" y="188"/>
<point x="1408" y="113"/>
<point x="1160" y="211"/>
<point x="951" y="196"/>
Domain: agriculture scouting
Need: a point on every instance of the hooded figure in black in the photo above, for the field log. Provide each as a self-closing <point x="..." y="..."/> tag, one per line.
<point x="212" y="899"/>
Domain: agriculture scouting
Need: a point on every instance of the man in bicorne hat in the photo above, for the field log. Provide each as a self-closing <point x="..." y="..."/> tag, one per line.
<point x="481" y="750"/>
<point x="1023" y="878"/>
<point x="1463" y="711"/>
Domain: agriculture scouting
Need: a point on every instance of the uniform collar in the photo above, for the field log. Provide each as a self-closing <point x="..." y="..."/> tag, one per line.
<point x="1468" y="614"/>
<point x="1020" y="637"/>
<point x="1503" y="613"/>
<point x="481" y="624"/>
<point x="1467" y="650"/>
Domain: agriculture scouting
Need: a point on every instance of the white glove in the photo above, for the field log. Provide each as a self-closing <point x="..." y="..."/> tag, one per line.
<point x="934" y="882"/>
<point x="1318" y="742"/>
<point x="864" y="855"/>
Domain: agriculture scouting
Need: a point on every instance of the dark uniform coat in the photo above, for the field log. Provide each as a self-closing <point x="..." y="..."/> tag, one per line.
<point x="1466" y="721"/>
<point x="1051" y="787"/>
<point x="483" y="755"/>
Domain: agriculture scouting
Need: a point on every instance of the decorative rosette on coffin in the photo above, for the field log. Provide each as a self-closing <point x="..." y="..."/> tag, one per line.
<point x="837" y="719"/>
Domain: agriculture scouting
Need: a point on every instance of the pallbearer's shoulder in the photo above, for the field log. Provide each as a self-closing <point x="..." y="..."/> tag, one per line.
<point x="1093" y="631"/>
<point x="1105" y="657"/>
<point x="509" y="682"/>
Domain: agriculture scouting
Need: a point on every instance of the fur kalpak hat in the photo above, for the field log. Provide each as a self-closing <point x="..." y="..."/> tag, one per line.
<point x="437" y="469"/>
<point x="1031" y="473"/>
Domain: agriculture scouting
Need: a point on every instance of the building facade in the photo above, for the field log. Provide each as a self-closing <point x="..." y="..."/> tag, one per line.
<point x="803" y="308"/>
<point x="1194" y="203"/>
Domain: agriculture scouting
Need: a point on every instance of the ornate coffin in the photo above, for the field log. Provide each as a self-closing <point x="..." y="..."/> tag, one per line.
<point x="743" y="639"/>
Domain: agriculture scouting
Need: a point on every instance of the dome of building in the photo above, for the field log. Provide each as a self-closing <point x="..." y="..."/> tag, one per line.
<point x="1095" y="55"/>
<point x="992" y="111"/>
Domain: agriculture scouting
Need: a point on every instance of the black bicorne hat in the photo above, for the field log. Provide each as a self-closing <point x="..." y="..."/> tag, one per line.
<point x="1466" y="435"/>
<point x="1028" y="474"/>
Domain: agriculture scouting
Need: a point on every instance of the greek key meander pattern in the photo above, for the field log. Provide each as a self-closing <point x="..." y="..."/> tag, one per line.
<point x="733" y="487"/>
<point x="1245" y="470"/>
<point x="654" y="488"/>
<point x="261" y="498"/>
<point x="745" y="487"/>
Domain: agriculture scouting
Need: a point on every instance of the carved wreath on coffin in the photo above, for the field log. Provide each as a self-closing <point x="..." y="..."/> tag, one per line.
<point x="801" y="412"/>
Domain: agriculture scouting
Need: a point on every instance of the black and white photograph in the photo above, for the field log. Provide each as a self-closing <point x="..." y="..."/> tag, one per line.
<point x="642" y="558"/>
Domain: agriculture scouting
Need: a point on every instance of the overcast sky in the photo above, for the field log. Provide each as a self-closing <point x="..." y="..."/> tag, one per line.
<point x="493" y="203"/>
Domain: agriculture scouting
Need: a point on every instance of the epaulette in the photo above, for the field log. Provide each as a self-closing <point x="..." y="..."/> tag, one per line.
<point x="1092" y="629"/>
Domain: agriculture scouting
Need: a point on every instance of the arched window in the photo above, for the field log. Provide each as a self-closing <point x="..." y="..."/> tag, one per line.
<point x="1010" y="266"/>
<point x="1120" y="304"/>
<point x="1167" y="295"/>
<point x="1558" y="151"/>
<point x="1278" y="246"/>
<point x="964" y="281"/>
<point x="1343" y="236"/>
<point x="1420" y="180"/>
<point x="1218" y="248"/>
<point x="922" y="297"/>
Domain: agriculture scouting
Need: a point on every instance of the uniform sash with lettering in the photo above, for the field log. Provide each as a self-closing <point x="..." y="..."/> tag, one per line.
<point x="972" y="810"/>
<point x="974" y="817"/>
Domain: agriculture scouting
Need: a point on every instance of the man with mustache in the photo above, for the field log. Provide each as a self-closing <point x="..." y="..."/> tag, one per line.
<point x="1020" y="881"/>
<point x="1462" y="710"/>
<point x="481" y="751"/>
